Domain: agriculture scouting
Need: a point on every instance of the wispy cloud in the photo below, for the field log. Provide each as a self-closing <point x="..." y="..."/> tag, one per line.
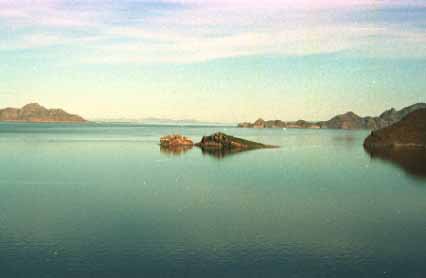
<point x="193" y="31"/>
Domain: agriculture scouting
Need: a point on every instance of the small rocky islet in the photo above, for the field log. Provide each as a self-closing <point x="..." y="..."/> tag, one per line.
<point x="218" y="144"/>
<point x="175" y="140"/>
<point x="175" y="144"/>
<point x="221" y="140"/>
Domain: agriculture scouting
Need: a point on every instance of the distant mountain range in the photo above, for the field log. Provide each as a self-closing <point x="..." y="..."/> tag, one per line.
<point x="348" y="120"/>
<point x="36" y="113"/>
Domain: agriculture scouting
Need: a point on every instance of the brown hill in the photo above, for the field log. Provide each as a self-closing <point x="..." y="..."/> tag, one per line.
<point x="34" y="112"/>
<point x="409" y="132"/>
<point x="349" y="120"/>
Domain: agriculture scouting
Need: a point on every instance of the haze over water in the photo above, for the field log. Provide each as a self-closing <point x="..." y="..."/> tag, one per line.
<point x="102" y="200"/>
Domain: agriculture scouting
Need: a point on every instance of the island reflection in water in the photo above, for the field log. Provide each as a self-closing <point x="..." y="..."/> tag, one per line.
<point x="411" y="160"/>
<point x="214" y="152"/>
<point x="222" y="153"/>
<point x="175" y="150"/>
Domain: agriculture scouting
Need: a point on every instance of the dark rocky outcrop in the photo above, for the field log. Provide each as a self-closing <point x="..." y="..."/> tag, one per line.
<point x="34" y="112"/>
<point x="402" y="144"/>
<point x="409" y="132"/>
<point x="349" y="120"/>
<point x="223" y="141"/>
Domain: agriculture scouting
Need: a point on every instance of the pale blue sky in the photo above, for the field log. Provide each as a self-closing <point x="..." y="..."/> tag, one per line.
<point x="213" y="60"/>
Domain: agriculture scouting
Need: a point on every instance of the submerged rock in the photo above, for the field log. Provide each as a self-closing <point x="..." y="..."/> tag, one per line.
<point x="223" y="141"/>
<point x="175" y="140"/>
<point x="409" y="132"/>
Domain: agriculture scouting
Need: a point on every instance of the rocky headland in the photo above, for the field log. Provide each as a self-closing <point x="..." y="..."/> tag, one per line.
<point x="349" y="120"/>
<point x="402" y="144"/>
<point x="409" y="132"/>
<point x="35" y="113"/>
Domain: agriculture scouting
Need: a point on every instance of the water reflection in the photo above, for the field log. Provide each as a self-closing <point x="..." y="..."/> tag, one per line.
<point x="222" y="153"/>
<point x="214" y="152"/>
<point x="175" y="150"/>
<point x="412" y="161"/>
<point x="348" y="140"/>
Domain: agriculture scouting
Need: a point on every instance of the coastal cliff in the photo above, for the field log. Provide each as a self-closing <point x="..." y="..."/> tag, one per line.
<point x="349" y="120"/>
<point x="409" y="132"/>
<point x="35" y="113"/>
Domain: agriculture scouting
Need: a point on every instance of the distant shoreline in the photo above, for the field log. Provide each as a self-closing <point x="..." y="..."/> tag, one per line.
<point x="348" y="120"/>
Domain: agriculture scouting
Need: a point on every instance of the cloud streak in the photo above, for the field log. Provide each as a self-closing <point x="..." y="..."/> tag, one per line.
<point x="173" y="31"/>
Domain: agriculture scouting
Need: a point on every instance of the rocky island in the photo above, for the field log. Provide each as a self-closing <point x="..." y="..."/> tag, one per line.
<point x="35" y="113"/>
<point x="223" y="141"/>
<point x="349" y="120"/>
<point x="175" y="144"/>
<point x="218" y="144"/>
<point x="409" y="132"/>
<point x="175" y="140"/>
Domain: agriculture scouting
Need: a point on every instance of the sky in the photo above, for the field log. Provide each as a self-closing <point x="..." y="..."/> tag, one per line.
<point x="213" y="60"/>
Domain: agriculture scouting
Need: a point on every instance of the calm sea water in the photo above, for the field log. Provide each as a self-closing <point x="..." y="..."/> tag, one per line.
<point x="102" y="200"/>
